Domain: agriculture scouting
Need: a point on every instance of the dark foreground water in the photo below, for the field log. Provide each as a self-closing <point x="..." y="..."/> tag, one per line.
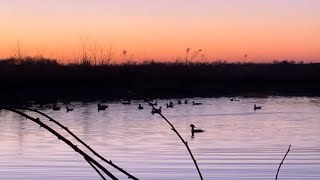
<point x="238" y="143"/>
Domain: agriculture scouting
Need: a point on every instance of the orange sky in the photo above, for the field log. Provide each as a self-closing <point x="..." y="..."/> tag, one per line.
<point x="161" y="29"/>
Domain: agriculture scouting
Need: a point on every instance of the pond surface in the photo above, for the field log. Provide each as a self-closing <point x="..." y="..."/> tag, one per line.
<point x="238" y="142"/>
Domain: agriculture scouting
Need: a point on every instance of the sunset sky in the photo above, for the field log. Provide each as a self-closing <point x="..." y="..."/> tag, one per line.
<point x="265" y="30"/>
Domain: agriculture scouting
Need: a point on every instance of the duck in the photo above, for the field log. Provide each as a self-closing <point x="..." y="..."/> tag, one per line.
<point x="154" y="110"/>
<point x="126" y="102"/>
<point x="140" y="107"/>
<point x="255" y="107"/>
<point x="69" y="109"/>
<point x="102" y="107"/>
<point x="195" y="130"/>
<point x="170" y="105"/>
<point x="185" y="101"/>
<point x="196" y="103"/>
<point x="56" y="107"/>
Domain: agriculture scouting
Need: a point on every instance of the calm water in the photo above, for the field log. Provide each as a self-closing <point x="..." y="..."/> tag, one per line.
<point x="239" y="143"/>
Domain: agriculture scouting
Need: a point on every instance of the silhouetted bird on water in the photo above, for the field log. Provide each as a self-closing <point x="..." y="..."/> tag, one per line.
<point x="56" y="107"/>
<point x="186" y="101"/>
<point x="140" y="107"/>
<point x="169" y="105"/>
<point x="69" y="109"/>
<point x="102" y="107"/>
<point x="196" y="103"/>
<point x="194" y="130"/>
<point x="154" y="110"/>
<point x="257" y="107"/>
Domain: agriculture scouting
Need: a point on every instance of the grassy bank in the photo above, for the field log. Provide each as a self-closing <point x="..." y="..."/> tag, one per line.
<point x="39" y="78"/>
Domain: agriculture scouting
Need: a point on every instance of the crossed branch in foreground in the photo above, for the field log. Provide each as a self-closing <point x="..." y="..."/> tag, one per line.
<point x="83" y="143"/>
<point x="92" y="162"/>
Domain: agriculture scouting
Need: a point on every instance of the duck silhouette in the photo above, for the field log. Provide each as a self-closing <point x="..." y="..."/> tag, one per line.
<point x="196" y="103"/>
<point x="185" y="101"/>
<point x="102" y="107"/>
<point x="69" y="109"/>
<point x="140" y="107"/>
<point x="255" y="107"/>
<point x="154" y="110"/>
<point x="195" y="130"/>
<point x="170" y="105"/>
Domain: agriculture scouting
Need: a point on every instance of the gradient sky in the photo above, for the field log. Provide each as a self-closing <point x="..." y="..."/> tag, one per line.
<point x="163" y="29"/>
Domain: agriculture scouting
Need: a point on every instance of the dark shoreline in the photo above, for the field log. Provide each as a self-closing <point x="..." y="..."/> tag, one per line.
<point x="44" y="80"/>
<point x="47" y="96"/>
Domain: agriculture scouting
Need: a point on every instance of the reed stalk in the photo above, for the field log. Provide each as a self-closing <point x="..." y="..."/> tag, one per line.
<point x="183" y="141"/>
<point x="282" y="162"/>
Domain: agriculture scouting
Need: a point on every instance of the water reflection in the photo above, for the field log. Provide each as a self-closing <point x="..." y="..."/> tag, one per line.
<point x="238" y="142"/>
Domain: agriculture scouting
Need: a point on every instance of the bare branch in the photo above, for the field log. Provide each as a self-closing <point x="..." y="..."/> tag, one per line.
<point x="282" y="161"/>
<point x="69" y="143"/>
<point x="83" y="143"/>
<point x="183" y="141"/>
<point x="96" y="169"/>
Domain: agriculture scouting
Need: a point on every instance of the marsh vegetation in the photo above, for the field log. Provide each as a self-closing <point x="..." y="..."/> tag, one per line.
<point x="47" y="79"/>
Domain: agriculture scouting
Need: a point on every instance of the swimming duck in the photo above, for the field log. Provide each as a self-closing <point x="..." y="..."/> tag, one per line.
<point x="69" y="109"/>
<point x="196" y="103"/>
<point x="140" y="107"/>
<point x="194" y="130"/>
<point x="170" y="105"/>
<point x="186" y="101"/>
<point x="154" y="110"/>
<point x="257" y="107"/>
<point x="102" y="107"/>
<point x="179" y="101"/>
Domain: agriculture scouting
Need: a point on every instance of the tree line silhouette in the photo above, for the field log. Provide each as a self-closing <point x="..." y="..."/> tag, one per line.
<point x="48" y="78"/>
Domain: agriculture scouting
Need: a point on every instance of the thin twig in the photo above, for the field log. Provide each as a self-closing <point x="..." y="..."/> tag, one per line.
<point x="96" y="169"/>
<point x="183" y="141"/>
<point x="69" y="143"/>
<point x="83" y="143"/>
<point x="282" y="161"/>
